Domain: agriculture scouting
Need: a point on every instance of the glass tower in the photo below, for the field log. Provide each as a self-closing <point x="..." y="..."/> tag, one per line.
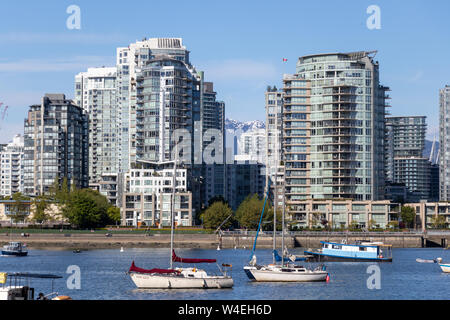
<point x="444" y="144"/>
<point x="333" y="128"/>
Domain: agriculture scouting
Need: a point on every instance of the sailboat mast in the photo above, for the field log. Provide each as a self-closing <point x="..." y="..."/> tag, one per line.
<point x="275" y="203"/>
<point x="275" y="200"/>
<point x="172" y="207"/>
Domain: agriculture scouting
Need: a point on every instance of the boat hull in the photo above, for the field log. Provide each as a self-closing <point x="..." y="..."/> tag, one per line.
<point x="14" y="253"/>
<point x="445" y="267"/>
<point x="320" y="257"/>
<point x="152" y="281"/>
<point x="275" y="276"/>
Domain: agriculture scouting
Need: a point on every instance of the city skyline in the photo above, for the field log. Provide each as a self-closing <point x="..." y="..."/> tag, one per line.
<point x="242" y="53"/>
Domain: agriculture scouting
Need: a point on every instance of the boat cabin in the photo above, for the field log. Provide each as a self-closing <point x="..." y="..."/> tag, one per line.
<point x="362" y="250"/>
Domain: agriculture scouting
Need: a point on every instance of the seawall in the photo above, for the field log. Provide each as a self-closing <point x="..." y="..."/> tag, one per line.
<point x="212" y="241"/>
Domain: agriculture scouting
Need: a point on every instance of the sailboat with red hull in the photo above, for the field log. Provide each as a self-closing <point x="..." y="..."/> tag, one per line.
<point x="180" y="278"/>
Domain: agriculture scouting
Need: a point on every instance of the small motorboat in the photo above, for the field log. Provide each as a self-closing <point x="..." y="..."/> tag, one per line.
<point x="445" y="267"/>
<point x="77" y="251"/>
<point x="15" y="249"/>
<point x="17" y="286"/>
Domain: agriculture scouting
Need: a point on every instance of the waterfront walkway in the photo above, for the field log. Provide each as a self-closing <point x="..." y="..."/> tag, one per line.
<point x="241" y="240"/>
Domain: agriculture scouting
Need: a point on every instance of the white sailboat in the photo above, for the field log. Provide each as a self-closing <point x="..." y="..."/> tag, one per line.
<point x="180" y="278"/>
<point x="286" y="271"/>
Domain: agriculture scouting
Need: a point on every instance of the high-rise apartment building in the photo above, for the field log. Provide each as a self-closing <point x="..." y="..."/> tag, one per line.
<point x="163" y="102"/>
<point x="95" y="93"/>
<point x="444" y="143"/>
<point x="405" y="163"/>
<point x="274" y="142"/>
<point x="11" y="167"/>
<point x="55" y="144"/>
<point x="252" y="146"/>
<point x="333" y="129"/>
<point x="130" y="62"/>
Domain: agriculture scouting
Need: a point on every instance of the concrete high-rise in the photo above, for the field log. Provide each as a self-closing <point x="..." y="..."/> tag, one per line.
<point x="55" y="144"/>
<point x="11" y="167"/>
<point x="444" y="143"/>
<point x="130" y="62"/>
<point x="405" y="163"/>
<point x="274" y="142"/>
<point x="333" y="128"/>
<point x="163" y="102"/>
<point x="96" y="94"/>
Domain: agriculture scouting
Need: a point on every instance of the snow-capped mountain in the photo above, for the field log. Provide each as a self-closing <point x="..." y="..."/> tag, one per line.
<point x="235" y="126"/>
<point x="234" y="129"/>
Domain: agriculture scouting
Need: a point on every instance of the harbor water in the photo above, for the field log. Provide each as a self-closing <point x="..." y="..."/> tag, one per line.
<point x="102" y="276"/>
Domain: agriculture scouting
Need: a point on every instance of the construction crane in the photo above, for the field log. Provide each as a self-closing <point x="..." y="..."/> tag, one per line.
<point x="4" y="112"/>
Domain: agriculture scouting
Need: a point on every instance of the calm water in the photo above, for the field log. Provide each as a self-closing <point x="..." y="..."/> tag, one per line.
<point x="103" y="275"/>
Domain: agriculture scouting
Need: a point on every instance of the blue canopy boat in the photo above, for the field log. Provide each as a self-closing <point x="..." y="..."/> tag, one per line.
<point x="359" y="251"/>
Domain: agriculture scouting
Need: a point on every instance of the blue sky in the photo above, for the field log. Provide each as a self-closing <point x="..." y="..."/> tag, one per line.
<point x="239" y="44"/>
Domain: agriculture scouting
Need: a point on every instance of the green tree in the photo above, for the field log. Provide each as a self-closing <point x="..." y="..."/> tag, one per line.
<point x="408" y="215"/>
<point x="438" y="221"/>
<point x="216" y="214"/>
<point x="249" y="212"/>
<point x="216" y="199"/>
<point x="60" y="193"/>
<point x="353" y="226"/>
<point x="114" y="214"/>
<point x="87" y="208"/>
<point x="19" y="209"/>
<point x="41" y="204"/>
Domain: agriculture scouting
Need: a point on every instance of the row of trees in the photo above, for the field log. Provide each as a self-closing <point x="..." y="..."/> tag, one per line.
<point x="248" y="214"/>
<point x="83" y="208"/>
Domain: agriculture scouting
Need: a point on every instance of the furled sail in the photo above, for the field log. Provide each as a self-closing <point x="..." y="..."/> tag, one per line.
<point x="133" y="268"/>
<point x="175" y="258"/>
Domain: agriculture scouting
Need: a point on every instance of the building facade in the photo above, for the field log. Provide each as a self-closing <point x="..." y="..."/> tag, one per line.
<point x="338" y="214"/>
<point x="129" y="61"/>
<point x="405" y="163"/>
<point x="275" y="156"/>
<point x="55" y="145"/>
<point x="96" y="94"/>
<point x="444" y="143"/>
<point x="252" y="146"/>
<point x="147" y="198"/>
<point x="244" y="179"/>
<point x="333" y="129"/>
<point x="11" y="167"/>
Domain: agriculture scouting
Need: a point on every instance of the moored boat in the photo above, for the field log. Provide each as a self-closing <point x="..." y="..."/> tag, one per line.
<point x="285" y="271"/>
<point x="179" y="278"/>
<point x="17" y="286"/>
<point x="15" y="249"/>
<point x="445" y="267"/>
<point x="358" y="251"/>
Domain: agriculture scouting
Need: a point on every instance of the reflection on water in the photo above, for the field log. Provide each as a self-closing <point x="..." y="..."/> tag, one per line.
<point x="104" y="275"/>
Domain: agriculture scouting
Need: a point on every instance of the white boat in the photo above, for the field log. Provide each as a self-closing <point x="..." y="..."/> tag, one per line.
<point x="286" y="271"/>
<point x="179" y="278"/>
<point x="15" y="248"/>
<point x="445" y="267"/>
<point x="16" y="286"/>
